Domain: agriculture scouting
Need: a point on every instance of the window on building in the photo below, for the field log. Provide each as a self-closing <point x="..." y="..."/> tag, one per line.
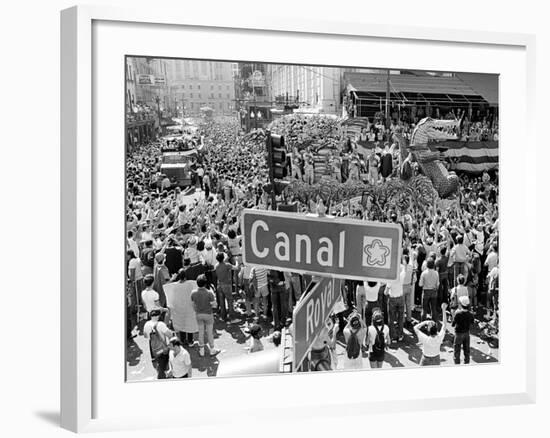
<point x="190" y="87"/>
<point x="228" y="96"/>
<point x="199" y="86"/>
<point x="191" y="95"/>
<point x="199" y="95"/>
<point x="219" y="87"/>
<point x="220" y="95"/>
<point x="227" y="87"/>
<point x="211" y="86"/>
<point x="212" y="95"/>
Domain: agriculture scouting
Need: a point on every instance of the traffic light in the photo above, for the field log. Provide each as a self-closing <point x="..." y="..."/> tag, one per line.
<point x="277" y="151"/>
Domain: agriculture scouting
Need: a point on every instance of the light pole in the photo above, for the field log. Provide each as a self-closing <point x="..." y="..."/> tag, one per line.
<point x="157" y="100"/>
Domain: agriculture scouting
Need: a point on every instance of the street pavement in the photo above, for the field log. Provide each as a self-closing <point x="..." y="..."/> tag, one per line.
<point x="231" y="337"/>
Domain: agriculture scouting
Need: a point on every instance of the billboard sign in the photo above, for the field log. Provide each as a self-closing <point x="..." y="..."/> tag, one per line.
<point x="146" y="80"/>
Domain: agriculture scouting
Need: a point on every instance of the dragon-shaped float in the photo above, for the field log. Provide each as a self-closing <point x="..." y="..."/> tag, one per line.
<point x="422" y="149"/>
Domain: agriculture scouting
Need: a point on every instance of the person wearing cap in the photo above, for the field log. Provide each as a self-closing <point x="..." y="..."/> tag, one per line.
<point x="179" y="359"/>
<point x="431" y="342"/>
<point x="462" y="321"/>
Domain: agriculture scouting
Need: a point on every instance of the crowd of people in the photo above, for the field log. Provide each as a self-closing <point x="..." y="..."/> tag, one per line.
<point x="185" y="269"/>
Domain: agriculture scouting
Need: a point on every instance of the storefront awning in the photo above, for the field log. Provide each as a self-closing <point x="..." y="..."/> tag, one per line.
<point x="485" y="85"/>
<point x="406" y="87"/>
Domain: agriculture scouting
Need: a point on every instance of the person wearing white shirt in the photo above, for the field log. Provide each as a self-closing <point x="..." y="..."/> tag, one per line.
<point x="492" y="295"/>
<point x="132" y="244"/>
<point x="431" y="342"/>
<point x="480" y="240"/>
<point x="361" y="300"/>
<point x="208" y="254"/>
<point x="371" y="293"/>
<point x="149" y="296"/>
<point x="492" y="259"/>
<point x="180" y="360"/>
<point x="396" y="305"/>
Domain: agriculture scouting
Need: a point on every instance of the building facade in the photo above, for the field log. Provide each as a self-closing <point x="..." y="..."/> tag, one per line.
<point x="201" y="84"/>
<point x="314" y="89"/>
<point x="253" y="95"/>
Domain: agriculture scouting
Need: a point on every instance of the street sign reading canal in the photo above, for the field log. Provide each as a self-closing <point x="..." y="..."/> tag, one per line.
<point x="311" y="314"/>
<point x="334" y="247"/>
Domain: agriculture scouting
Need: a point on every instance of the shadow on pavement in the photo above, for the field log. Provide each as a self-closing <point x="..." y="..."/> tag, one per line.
<point x="480" y="357"/>
<point x="233" y="329"/>
<point x="207" y="363"/>
<point x="133" y="353"/>
<point x="392" y="360"/>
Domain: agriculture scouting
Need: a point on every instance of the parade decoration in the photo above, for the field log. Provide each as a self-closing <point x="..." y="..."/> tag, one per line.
<point x="313" y="130"/>
<point x="416" y="194"/>
<point x="428" y="129"/>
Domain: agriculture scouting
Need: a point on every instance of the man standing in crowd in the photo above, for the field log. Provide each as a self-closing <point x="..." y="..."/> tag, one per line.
<point x="408" y="295"/>
<point x="396" y="305"/>
<point x="429" y="282"/>
<point x="259" y="278"/>
<point x="158" y="334"/>
<point x="279" y="298"/>
<point x="180" y="360"/>
<point x="224" y="274"/>
<point x="462" y="321"/>
<point x="203" y="301"/>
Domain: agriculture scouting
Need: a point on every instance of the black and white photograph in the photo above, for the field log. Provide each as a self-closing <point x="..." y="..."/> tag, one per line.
<point x="299" y="218"/>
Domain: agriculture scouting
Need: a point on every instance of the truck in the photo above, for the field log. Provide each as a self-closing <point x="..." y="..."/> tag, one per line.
<point x="178" y="166"/>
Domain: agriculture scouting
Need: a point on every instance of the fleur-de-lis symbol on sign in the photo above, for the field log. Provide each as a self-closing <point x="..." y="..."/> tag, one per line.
<point x="376" y="253"/>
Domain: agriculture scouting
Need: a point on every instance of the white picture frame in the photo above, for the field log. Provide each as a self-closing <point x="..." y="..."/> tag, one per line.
<point x="83" y="390"/>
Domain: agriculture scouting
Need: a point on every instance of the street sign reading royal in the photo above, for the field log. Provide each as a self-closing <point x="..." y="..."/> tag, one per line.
<point x="311" y="314"/>
<point x="329" y="246"/>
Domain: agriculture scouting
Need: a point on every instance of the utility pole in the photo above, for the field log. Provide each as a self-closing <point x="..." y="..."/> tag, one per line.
<point x="387" y="99"/>
<point x="157" y="100"/>
<point x="270" y="167"/>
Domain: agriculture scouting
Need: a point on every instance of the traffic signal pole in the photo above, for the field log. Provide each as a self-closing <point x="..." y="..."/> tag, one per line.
<point x="271" y="173"/>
